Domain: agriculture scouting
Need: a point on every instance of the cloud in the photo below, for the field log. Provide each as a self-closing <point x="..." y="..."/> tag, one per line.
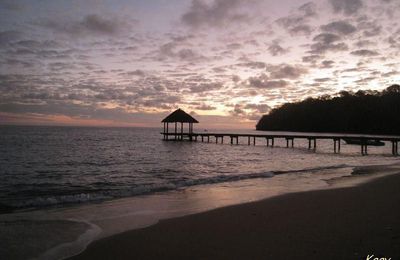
<point x="325" y="42"/>
<point x="369" y="27"/>
<point x="276" y="49"/>
<point x="327" y="38"/>
<point x="178" y="48"/>
<point x="364" y="53"/>
<point x="261" y="108"/>
<point x="320" y="48"/>
<point x="249" y="111"/>
<point x="263" y="82"/>
<point x="252" y="64"/>
<point x="297" y="23"/>
<point x="308" y="9"/>
<point x="321" y="80"/>
<point x="286" y="71"/>
<point x="339" y="27"/>
<point x="295" y="26"/>
<point x="11" y="6"/>
<point x="214" y="13"/>
<point x="348" y="7"/>
<point x="8" y="37"/>
<point x="76" y="111"/>
<point x="205" y="87"/>
<point x="363" y="43"/>
<point x="139" y="73"/>
<point x="326" y="64"/>
<point x="92" y="24"/>
<point x="312" y="58"/>
<point x="205" y="107"/>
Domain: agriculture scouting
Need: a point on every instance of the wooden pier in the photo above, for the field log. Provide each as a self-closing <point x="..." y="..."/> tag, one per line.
<point x="290" y="139"/>
<point x="181" y="117"/>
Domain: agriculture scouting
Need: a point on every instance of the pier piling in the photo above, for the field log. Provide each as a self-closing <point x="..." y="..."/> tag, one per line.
<point x="336" y="145"/>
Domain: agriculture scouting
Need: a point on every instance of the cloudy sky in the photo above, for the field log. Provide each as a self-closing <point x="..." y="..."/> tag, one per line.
<point x="127" y="62"/>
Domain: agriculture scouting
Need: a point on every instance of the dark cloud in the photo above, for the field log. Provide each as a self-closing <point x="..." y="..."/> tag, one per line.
<point x="339" y="27"/>
<point x="8" y="37"/>
<point x="363" y="43"/>
<point x="235" y="78"/>
<point x="364" y="53"/>
<point x="297" y="23"/>
<point x="92" y="24"/>
<point x="326" y="64"/>
<point x="34" y="44"/>
<point x="372" y="31"/>
<point x="319" y="48"/>
<point x="321" y="80"/>
<point x="308" y="9"/>
<point x="18" y="62"/>
<point x="285" y="71"/>
<point x="365" y="80"/>
<point x="390" y="73"/>
<point x="302" y="29"/>
<point x="348" y="7"/>
<point x="327" y="42"/>
<point x="11" y="6"/>
<point x="139" y="73"/>
<point x="205" y="87"/>
<point x="263" y="82"/>
<point x="234" y="46"/>
<point x="276" y="49"/>
<point x="369" y="27"/>
<point x="327" y="38"/>
<point x="178" y="48"/>
<point x="253" y="64"/>
<point x="187" y="54"/>
<point x="215" y="13"/>
<point x="312" y="58"/>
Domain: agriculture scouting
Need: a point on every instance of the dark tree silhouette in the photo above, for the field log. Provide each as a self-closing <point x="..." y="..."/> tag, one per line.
<point x="365" y="112"/>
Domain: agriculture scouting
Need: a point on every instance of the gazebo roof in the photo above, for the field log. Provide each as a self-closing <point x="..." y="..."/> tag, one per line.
<point x="179" y="116"/>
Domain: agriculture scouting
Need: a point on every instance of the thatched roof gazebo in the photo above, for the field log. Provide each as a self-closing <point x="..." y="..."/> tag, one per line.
<point x="178" y="116"/>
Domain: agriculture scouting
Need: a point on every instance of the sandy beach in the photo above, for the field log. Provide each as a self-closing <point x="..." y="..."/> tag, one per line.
<point x="344" y="223"/>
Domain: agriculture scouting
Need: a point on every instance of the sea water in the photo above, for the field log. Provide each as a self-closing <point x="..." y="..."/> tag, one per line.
<point x="62" y="187"/>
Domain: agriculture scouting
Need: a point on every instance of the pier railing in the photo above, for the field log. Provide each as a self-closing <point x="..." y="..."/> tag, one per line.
<point x="363" y="140"/>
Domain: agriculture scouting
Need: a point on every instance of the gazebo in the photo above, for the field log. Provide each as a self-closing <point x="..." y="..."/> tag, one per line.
<point x="178" y="116"/>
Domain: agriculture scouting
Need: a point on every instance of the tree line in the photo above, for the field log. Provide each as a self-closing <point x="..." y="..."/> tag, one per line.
<point x="363" y="112"/>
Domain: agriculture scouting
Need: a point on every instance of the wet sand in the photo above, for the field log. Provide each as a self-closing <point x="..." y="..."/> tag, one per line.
<point x="344" y="223"/>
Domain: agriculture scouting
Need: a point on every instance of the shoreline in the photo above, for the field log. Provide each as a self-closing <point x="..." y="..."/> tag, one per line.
<point x="362" y="219"/>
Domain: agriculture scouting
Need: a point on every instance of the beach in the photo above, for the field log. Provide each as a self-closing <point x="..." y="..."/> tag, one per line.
<point x="344" y="223"/>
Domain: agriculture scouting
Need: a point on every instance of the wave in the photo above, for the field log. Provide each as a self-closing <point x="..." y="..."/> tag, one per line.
<point x="107" y="194"/>
<point x="314" y="169"/>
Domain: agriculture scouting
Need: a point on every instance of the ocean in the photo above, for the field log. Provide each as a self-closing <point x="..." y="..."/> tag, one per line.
<point x="62" y="187"/>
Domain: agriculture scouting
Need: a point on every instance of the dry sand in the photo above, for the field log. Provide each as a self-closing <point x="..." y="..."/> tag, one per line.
<point x="345" y="223"/>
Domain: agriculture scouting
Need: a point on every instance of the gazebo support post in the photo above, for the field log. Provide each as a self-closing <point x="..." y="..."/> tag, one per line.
<point x="176" y="126"/>
<point x="167" y="131"/>
<point x="181" y="131"/>
<point x="164" y="132"/>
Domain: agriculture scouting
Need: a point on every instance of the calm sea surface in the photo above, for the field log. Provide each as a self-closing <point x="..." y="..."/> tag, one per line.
<point x="63" y="187"/>
<point x="52" y="166"/>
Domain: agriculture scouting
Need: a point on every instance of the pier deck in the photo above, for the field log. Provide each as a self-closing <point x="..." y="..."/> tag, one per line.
<point x="312" y="139"/>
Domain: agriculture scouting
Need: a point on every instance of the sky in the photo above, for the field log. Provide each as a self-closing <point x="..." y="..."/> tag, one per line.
<point x="226" y="62"/>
